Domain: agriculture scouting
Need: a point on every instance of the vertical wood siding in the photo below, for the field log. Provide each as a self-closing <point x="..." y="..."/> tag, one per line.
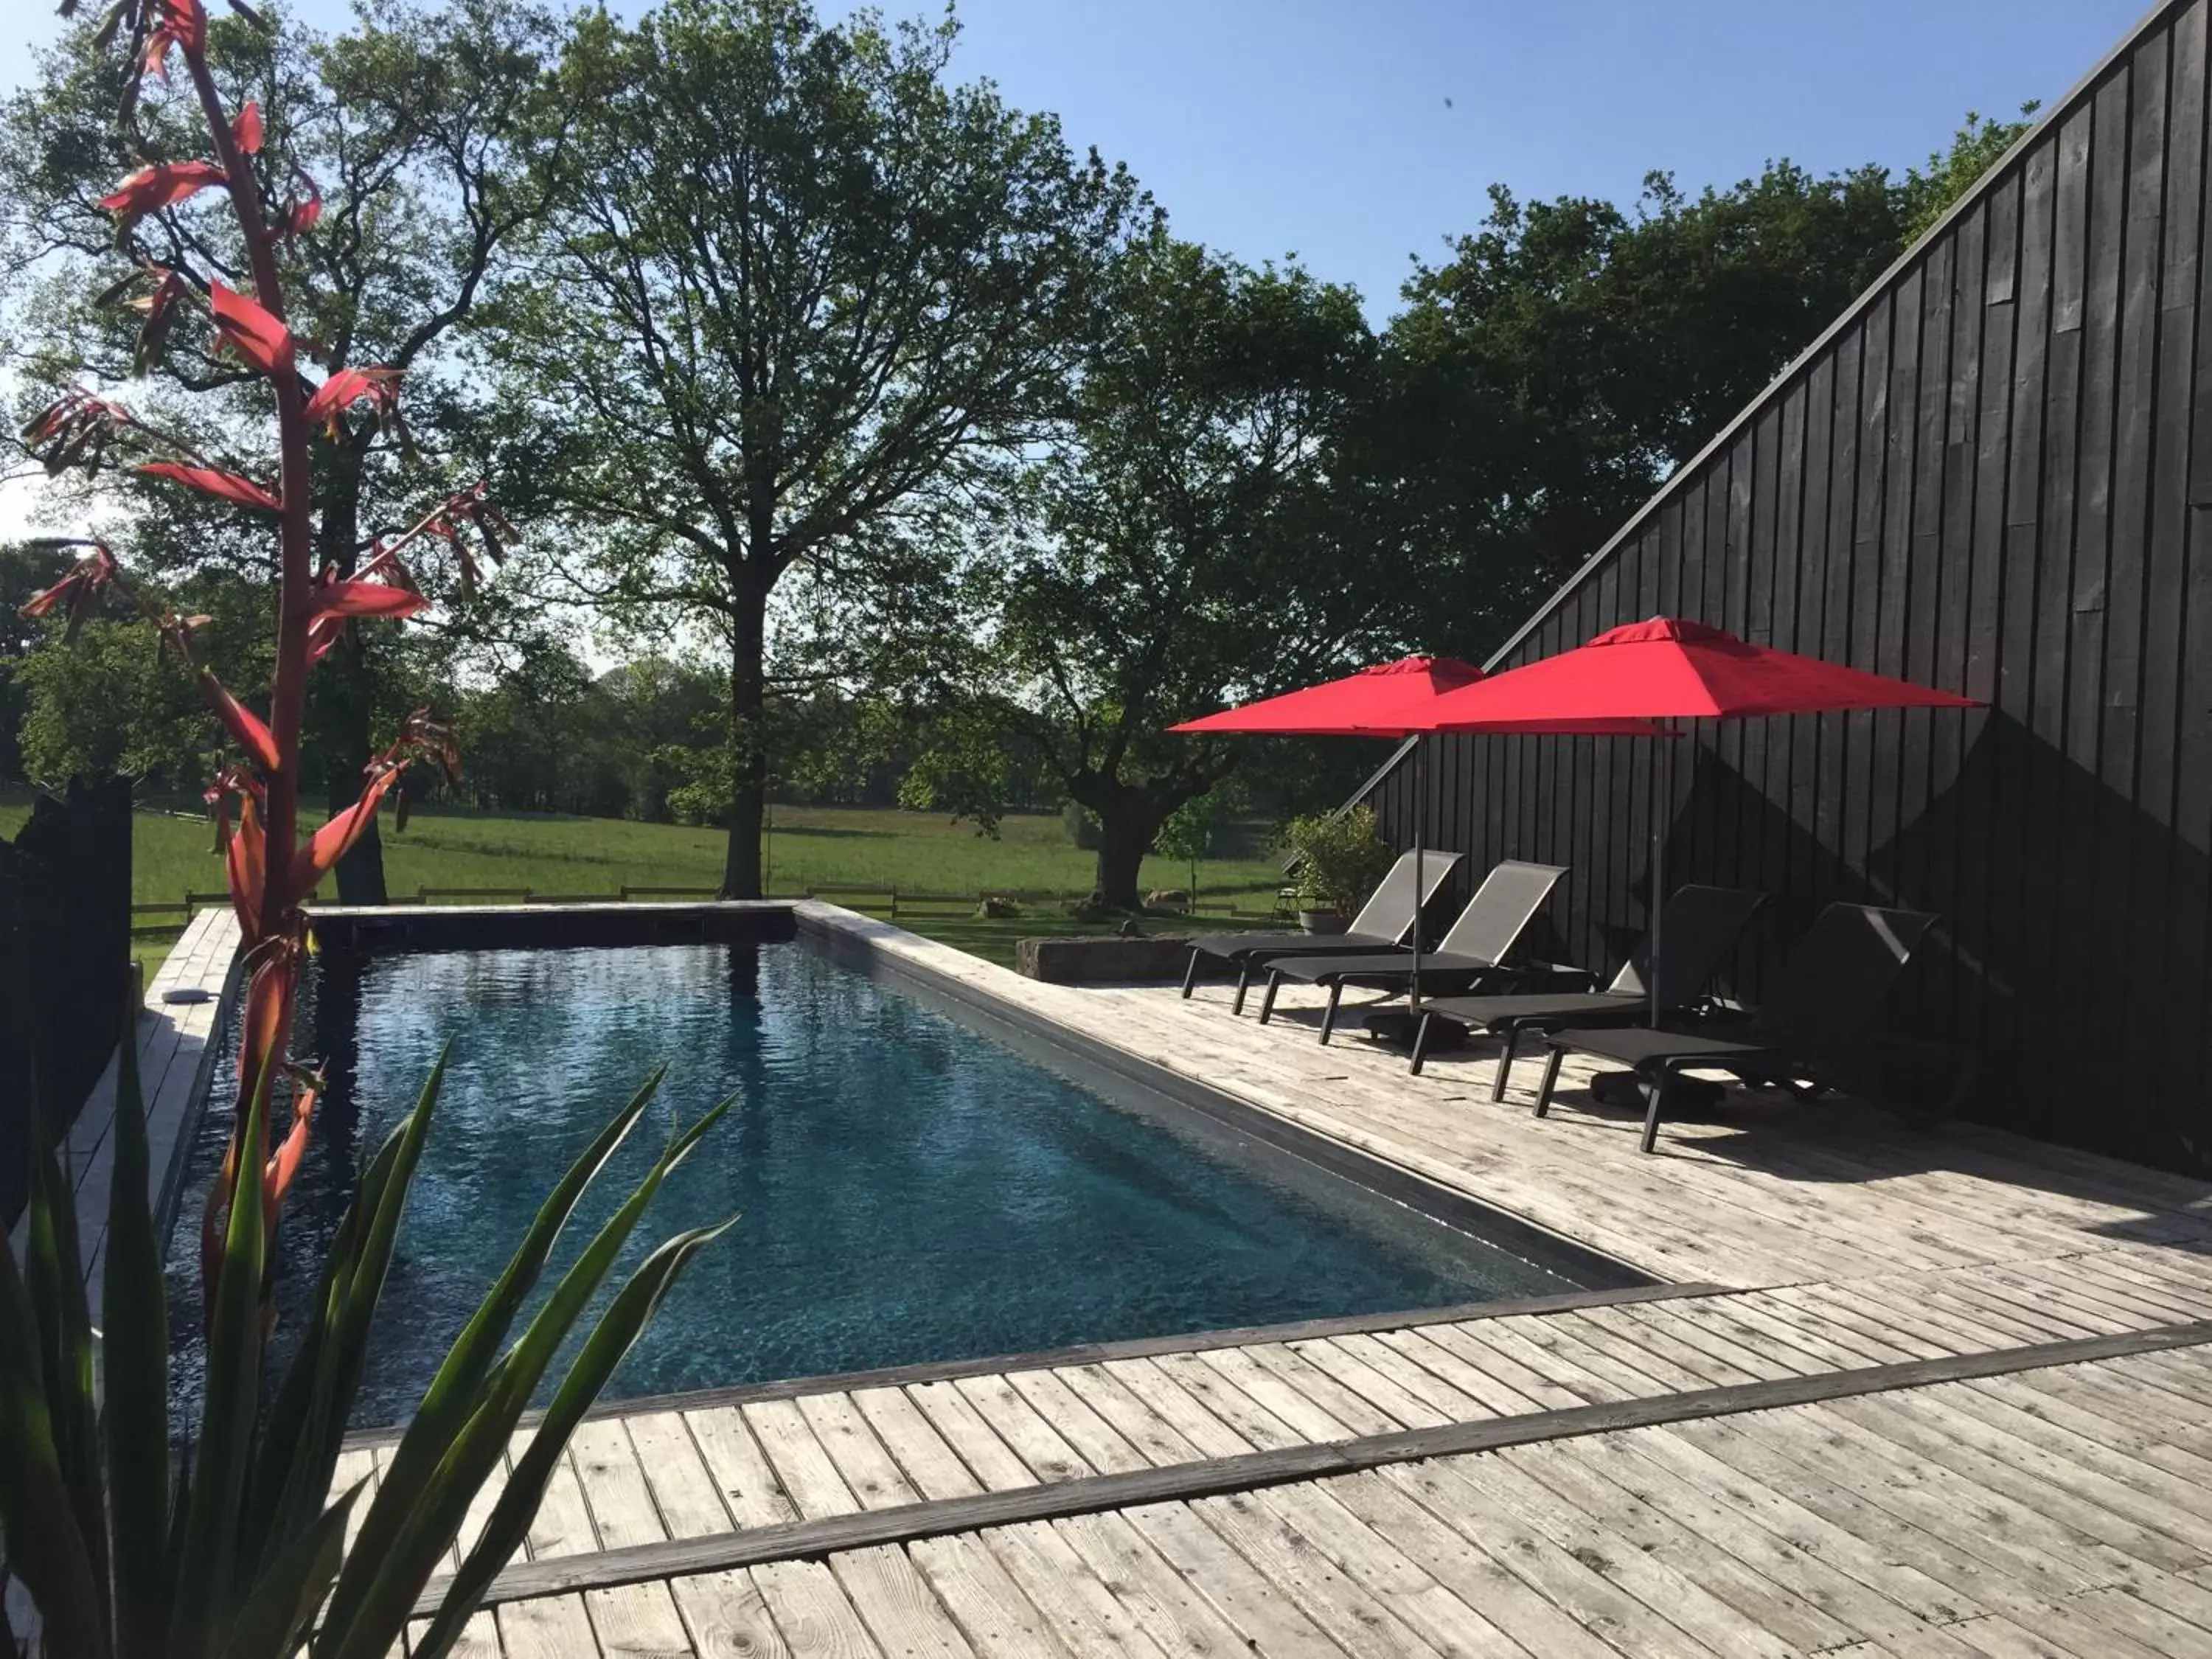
<point x="1995" y="475"/>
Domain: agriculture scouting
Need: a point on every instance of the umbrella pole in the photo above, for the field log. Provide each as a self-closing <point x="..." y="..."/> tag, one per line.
<point x="1663" y="802"/>
<point x="1420" y="836"/>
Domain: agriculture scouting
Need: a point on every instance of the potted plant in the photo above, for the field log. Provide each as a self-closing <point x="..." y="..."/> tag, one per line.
<point x="1340" y="857"/>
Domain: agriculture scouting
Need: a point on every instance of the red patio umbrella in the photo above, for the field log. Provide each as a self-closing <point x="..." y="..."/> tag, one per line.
<point x="1391" y="700"/>
<point x="1670" y="669"/>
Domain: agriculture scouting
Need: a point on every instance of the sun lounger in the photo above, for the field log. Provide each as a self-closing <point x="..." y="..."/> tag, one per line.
<point x="1383" y="924"/>
<point x="1822" y="1005"/>
<point x="1472" y="953"/>
<point x="1699" y="928"/>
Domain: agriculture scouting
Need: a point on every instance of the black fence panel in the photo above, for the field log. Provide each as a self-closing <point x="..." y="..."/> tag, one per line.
<point x="64" y="959"/>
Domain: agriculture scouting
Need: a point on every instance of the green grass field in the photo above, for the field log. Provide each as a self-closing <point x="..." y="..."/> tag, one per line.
<point x="808" y="848"/>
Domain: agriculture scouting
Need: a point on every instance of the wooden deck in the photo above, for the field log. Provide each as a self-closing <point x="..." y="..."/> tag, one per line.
<point x="1956" y="1398"/>
<point x="177" y="1043"/>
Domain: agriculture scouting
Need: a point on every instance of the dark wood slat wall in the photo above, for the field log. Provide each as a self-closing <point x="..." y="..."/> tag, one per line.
<point x="1995" y="475"/>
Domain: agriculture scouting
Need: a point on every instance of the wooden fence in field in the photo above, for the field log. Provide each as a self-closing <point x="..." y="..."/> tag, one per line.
<point x="157" y="919"/>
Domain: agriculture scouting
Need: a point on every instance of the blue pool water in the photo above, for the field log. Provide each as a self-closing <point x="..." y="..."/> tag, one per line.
<point x="909" y="1190"/>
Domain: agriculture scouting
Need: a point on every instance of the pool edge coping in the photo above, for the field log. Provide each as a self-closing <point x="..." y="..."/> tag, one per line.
<point x="1099" y="1353"/>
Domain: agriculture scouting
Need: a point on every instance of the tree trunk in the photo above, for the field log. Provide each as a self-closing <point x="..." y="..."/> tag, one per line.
<point x="741" y="866"/>
<point x="1124" y="835"/>
<point x="346" y="699"/>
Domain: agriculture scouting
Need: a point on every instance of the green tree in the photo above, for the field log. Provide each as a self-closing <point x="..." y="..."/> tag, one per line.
<point x="800" y="296"/>
<point x="1542" y="380"/>
<point x="1184" y="541"/>
<point x="1928" y="192"/>
<point x="24" y="570"/>
<point x="405" y="125"/>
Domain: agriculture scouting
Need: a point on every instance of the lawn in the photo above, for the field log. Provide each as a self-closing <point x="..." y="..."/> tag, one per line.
<point x="808" y="848"/>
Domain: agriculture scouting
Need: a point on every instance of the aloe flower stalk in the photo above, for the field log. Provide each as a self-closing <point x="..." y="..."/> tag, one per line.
<point x="272" y="873"/>
<point x="236" y="1552"/>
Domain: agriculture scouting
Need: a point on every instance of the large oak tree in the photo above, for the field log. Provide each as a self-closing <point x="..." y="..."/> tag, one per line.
<point x="802" y="296"/>
<point x="1184" y="539"/>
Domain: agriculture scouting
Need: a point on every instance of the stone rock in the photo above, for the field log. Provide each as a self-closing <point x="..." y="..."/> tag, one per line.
<point x="1089" y="960"/>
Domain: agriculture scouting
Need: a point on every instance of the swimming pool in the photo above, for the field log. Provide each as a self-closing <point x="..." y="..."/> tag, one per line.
<point x="911" y="1189"/>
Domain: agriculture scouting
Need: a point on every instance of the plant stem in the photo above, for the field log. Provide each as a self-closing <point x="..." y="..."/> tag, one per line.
<point x="295" y="529"/>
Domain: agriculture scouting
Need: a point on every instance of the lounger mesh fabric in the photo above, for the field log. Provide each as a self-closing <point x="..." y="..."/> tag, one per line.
<point x="1478" y="942"/>
<point x="1383" y="923"/>
<point x="1699" y="928"/>
<point x="1823" y="1001"/>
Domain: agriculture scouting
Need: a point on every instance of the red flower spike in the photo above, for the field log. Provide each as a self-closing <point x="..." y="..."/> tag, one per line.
<point x="79" y="590"/>
<point x="322" y="637"/>
<point x="340" y="599"/>
<point x="159" y="307"/>
<point x="75" y="427"/>
<point x="304" y="213"/>
<point x="276" y="1175"/>
<point x="320" y="855"/>
<point x="377" y="387"/>
<point x="177" y="23"/>
<point x="248" y="867"/>
<point x="245" y="128"/>
<point x="223" y="486"/>
<point x="241" y="722"/>
<point x="162" y="184"/>
<point x="251" y="330"/>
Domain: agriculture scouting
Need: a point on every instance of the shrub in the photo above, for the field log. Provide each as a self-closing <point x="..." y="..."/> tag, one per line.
<point x="1342" y="857"/>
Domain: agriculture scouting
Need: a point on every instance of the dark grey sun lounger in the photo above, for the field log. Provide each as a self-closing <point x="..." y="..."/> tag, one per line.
<point x="1384" y="923"/>
<point x="1823" y="1002"/>
<point x="1698" y="928"/>
<point x="1474" y="952"/>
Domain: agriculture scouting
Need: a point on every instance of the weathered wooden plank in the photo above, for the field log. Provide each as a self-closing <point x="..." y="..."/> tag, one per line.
<point x="741" y="1475"/>
<point x="1166" y="1607"/>
<point x="1091" y="1354"/>
<point x="1103" y="1447"/>
<point x="929" y="1463"/>
<point x="805" y="1472"/>
<point x="556" y="1628"/>
<point x="1014" y="1420"/>
<point x="899" y="1608"/>
<point x="869" y="1472"/>
<point x="637" y="1621"/>
<point x="812" y="1612"/>
<point x="622" y="1510"/>
<point x="1698" y="1539"/>
<point x="1086" y="1615"/>
<point x="727" y="1618"/>
<point x="1849" y="1391"/>
<point x="683" y="1488"/>
<point x="1267" y="1621"/>
<point x="1297" y="1572"/>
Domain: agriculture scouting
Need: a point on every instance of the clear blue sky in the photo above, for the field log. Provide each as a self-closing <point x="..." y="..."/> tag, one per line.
<point x="1321" y="126"/>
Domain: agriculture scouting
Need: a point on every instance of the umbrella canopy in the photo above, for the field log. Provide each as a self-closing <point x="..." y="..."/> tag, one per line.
<point x="1391" y="700"/>
<point x="1387" y="700"/>
<point x="1671" y="669"/>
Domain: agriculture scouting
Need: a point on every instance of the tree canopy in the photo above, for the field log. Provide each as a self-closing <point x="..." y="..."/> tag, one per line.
<point x="1181" y="539"/>
<point x="800" y="298"/>
<point x="898" y="444"/>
